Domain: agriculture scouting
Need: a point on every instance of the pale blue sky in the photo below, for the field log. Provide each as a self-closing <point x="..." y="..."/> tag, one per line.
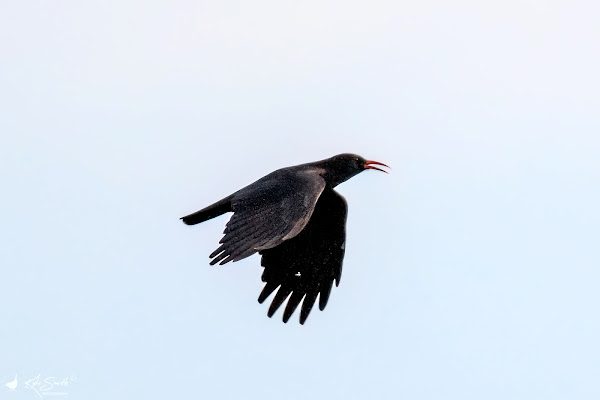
<point x="471" y="271"/>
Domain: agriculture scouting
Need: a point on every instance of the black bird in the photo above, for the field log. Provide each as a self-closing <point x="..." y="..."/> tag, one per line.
<point x="297" y="222"/>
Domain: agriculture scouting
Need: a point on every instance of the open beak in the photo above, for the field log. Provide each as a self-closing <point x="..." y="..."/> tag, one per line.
<point x="369" y="165"/>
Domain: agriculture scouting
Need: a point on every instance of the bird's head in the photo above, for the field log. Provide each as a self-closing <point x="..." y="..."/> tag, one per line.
<point x="342" y="167"/>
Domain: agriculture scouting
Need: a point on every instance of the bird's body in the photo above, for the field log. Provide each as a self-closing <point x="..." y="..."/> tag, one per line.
<point x="295" y="219"/>
<point x="12" y="385"/>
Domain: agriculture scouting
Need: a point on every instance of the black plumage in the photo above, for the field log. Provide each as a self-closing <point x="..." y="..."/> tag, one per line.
<point x="309" y="263"/>
<point x="295" y="219"/>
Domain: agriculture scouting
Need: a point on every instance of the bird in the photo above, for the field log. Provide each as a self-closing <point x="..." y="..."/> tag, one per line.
<point x="296" y="221"/>
<point x="12" y="385"/>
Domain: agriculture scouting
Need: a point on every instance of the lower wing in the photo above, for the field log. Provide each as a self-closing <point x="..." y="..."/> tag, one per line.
<point x="308" y="264"/>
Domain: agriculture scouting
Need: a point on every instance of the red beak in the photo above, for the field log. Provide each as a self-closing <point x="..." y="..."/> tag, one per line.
<point x="369" y="165"/>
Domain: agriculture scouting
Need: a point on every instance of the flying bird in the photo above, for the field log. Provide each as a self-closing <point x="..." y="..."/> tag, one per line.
<point x="296" y="221"/>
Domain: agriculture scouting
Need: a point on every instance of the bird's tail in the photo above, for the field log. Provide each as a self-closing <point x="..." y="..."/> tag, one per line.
<point x="214" y="210"/>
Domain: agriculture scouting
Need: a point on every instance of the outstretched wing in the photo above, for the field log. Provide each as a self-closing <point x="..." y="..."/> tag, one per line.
<point x="307" y="265"/>
<point x="269" y="211"/>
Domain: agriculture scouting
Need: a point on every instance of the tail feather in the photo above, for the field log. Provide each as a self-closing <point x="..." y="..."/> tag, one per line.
<point x="214" y="210"/>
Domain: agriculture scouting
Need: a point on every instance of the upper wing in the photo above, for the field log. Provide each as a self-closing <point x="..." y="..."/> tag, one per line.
<point x="267" y="212"/>
<point x="308" y="264"/>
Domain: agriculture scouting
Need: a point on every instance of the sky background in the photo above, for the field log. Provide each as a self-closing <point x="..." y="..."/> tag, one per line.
<point x="472" y="271"/>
